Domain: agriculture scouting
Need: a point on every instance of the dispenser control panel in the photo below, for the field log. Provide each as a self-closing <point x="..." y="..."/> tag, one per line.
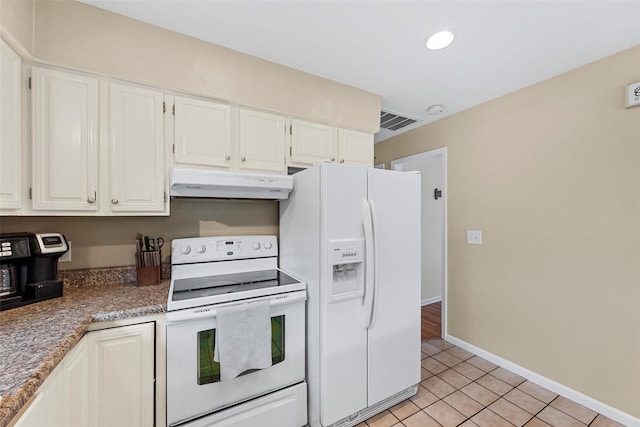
<point x="348" y="253"/>
<point x="347" y="264"/>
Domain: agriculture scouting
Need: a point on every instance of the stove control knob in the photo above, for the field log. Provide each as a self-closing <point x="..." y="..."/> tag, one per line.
<point x="256" y="246"/>
<point x="268" y="245"/>
<point x="185" y="250"/>
<point x="201" y="249"/>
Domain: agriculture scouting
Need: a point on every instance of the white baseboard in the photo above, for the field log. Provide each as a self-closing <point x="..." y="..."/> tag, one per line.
<point x="584" y="400"/>
<point x="430" y="300"/>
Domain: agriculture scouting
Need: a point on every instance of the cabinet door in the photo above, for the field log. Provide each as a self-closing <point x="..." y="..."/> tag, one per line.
<point x="74" y="386"/>
<point x="122" y="376"/>
<point x="355" y="148"/>
<point x="45" y="408"/>
<point x="65" y="142"/>
<point x="261" y="142"/>
<point x="136" y="154"/>
<point x="10" y="129"/>
<point x="311" y="143"/>
<point x="202" y="132"/>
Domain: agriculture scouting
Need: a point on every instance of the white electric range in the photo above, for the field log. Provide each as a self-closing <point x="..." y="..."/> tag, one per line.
<point x="212" y="273"/>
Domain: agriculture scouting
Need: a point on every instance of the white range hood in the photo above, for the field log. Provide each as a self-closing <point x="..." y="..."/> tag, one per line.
<point x="186" y="182"/>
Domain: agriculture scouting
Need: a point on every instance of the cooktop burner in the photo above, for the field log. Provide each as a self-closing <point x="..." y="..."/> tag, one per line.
<point x="212" y="270"/>
<point x="198" y="287"/>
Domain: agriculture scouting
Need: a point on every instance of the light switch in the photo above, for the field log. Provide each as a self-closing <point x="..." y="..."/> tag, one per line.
<point x="474" y="237"/>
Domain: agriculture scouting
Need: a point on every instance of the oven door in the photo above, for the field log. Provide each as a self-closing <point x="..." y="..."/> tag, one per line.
<point x="194" y="388"/>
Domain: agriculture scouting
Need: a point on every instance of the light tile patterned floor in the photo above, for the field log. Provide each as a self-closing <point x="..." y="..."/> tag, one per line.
<point x="459" y="388"/>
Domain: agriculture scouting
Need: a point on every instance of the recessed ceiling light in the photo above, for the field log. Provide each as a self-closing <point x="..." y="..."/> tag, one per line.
<point x="436" y="109"/>
<point x="439" y="40"/>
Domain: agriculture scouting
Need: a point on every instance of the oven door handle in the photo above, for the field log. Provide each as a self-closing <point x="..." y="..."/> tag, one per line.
<point x="212" y="310"/>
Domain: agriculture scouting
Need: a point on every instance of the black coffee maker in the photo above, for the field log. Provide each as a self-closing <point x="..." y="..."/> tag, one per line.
<point x="29" y="267"/>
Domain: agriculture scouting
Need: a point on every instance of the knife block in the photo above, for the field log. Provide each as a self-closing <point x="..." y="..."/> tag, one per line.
<point x="146" y="272"/>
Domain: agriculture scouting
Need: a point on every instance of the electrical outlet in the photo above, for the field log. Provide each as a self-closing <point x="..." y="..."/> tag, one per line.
<point x="474" y="237"/>
<point x="67" y="255"/>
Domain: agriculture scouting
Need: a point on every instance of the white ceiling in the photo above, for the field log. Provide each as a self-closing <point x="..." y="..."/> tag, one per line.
<point x="500" y="46"/>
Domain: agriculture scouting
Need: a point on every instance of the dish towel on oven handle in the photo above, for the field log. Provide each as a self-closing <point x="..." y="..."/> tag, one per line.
<point x="243" y="338"/>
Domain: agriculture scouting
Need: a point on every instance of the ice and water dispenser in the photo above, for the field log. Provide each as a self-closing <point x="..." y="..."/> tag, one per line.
<point x="346" y="258"/>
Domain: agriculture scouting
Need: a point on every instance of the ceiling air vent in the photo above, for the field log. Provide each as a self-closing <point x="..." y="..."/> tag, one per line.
<point x="393" y="121"/>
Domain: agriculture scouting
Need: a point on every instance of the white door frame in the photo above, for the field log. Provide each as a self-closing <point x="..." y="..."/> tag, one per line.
<point x="395" y="165"/>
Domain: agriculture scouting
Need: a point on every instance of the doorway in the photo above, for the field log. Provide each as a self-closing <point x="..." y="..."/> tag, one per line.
<point x="432" y="166"/>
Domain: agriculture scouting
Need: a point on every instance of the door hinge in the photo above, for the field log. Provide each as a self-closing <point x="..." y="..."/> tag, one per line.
<point x="30" y="193"/>
<point x="29" y="82"/>
<point x="290" y="150"/>
<point x="174" y="109"/>
<point x="290" y="129"/>
<point x="164" y="107"/>
<point x="165" y="197"/>
<point x="174" y="148"/>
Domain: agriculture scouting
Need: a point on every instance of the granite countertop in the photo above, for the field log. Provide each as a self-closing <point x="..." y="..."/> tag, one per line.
<point x="35" y="338"/>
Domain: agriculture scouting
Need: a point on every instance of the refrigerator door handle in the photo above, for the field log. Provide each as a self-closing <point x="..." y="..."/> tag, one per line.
<point x="367" y="223"/>
<point x="376" y="275"/>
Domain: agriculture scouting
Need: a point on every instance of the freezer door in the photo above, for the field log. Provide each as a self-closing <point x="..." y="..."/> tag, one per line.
<point x="343" y="340"/>
<point x="394" y="334"/>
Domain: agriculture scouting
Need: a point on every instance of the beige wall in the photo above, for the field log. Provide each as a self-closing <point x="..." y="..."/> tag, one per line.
<point x="76" y="35"/>
<point x="110" y="241"/>
<point x="16" y="25"/>
<point x="550" y="174"/>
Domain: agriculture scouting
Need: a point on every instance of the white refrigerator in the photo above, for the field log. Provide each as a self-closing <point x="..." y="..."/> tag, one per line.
<point x="353" y="235"/>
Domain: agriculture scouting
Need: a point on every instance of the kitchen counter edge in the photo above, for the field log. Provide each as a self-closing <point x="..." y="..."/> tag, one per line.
<point x="73" y="315"/>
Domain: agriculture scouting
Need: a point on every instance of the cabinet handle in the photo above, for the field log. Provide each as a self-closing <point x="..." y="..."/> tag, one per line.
<point x="227" y="157"/>
<point x="92" y="200"/>
<point x="342" y="161"/>
<point x="333" y="159"/>
<point x="243" y="158"/>
<point x="114" y="201"/>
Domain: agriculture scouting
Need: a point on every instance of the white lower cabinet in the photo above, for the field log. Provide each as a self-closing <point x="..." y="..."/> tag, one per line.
<point x="73" y="383"/>
<point x="107" y="379"/>
<point x="45" y="408"/>
<point x="62" y="400"/>
<point x="122" y="376"/>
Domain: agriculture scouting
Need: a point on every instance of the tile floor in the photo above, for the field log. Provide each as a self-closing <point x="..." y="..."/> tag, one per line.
<point x="459" y="388"/>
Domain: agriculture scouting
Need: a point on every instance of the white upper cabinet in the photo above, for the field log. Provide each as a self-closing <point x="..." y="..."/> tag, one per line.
<point x="136" y="149"/>
<point x="311" y="143"/>
<point x="355" y="148"/>
<point x="202" y="133"/>
<point x="261" y="141"/>
<point x="65" y="141"/>
<point x="10" y="129"/>
<point x="98" y="146"/>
